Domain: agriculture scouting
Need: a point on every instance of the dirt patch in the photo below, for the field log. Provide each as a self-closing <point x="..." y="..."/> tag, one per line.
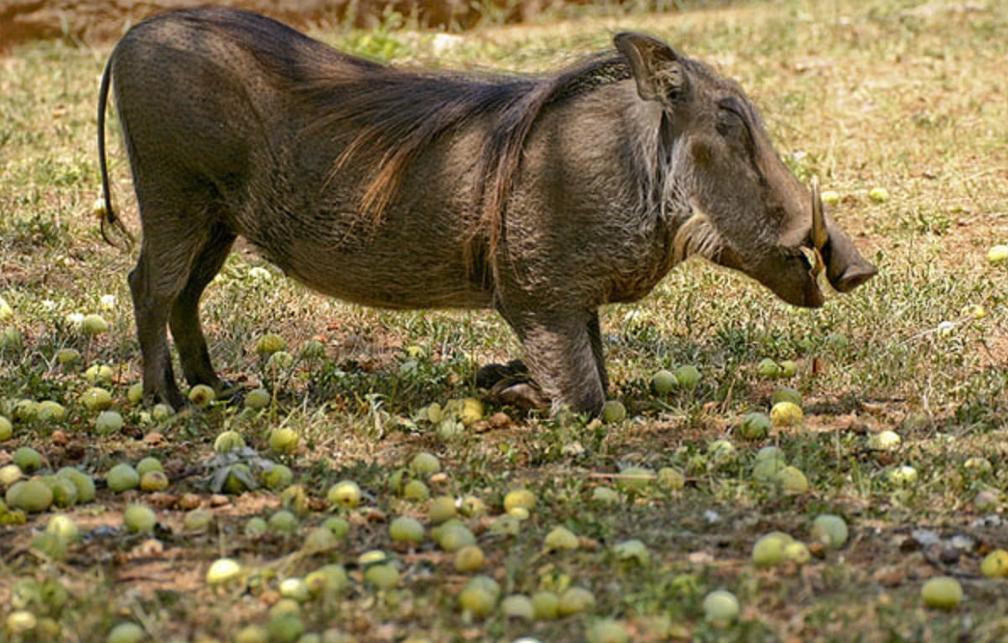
<point x="103" y="20"/>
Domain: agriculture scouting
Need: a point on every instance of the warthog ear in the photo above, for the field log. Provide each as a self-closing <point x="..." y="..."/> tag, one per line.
<point x="657" y="69"/>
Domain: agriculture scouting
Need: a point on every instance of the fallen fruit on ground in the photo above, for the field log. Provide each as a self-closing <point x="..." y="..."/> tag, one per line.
<point x="995" y="564"/>
<point x="942" y="592"/>
<point x="786" y="414"/>
<point x="830" y="530"/>
<point x="613" y="411"/>
<point x="223" y="571"/>
<point x="663" y="382"/>
<point x="721" y="607"/>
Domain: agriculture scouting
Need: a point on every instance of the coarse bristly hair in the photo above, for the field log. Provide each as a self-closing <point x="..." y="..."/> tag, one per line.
<point x="398" y="113"/>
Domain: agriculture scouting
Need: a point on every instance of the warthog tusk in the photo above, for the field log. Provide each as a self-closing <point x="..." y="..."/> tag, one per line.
<point x="819" y="234"/>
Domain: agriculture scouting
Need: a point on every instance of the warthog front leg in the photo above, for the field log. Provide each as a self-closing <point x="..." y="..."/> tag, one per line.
<point x="563" y="358"/>
<point x="184" y="320"/>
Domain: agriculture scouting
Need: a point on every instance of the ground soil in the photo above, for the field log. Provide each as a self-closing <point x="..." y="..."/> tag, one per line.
<point x="102" y="20"/>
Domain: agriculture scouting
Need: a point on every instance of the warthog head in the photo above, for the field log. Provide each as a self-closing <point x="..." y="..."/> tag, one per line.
<point x="738" y="203"/>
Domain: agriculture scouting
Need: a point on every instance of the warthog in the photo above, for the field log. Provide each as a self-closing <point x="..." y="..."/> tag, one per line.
<point x="541" y="197"/>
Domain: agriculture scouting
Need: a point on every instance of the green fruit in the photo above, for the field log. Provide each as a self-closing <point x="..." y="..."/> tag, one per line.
<point x="770" y="453"/>
<point x="903" y="476"/>
<point x="153" y="481"/>
<point x="441" y="509"/>
<point x="327" y="580"/>
<point x="519" y="498"/>
<point x="545" y="605"/>
<point x="252" y="634"/>
<point x="518" y="606"/>
<point x="283" y="440"/>
<point x="64" y="527"/>
<point x="227" y="441"/>
<point x="148" y="464"/>
<point x="256" y="526"/>
<point x="382" y="576"/>
<point x="25" y="410"/>
<point x="126" y="633"/>
<point x="223" y="571"/>
<point x="313" y="349"/>
<point x="134" y="394"/>
<point x="721" y="451"/>
<point x="607" y="630"/>
<point x="632" y="550"/>
<point x="721" y="607"/>
<point x="405" y="529"/>
<point x="197" y="520"/>
<point x="878" y="195"/>
<point x="67" y="356"/>
<point x="28" y="459"/>
<point x="884" y="441"/>
<point x="96" y="399"/>
<point x="49" y="411"/>
<point x="605" y="495"/>
<point x="561" y="538"/>
<point x="9" y="474"/>
<point x="344" y="494"/>
<point x="995" y="564"/>
<point x="6" y="429"/>
<point x="425" y="464"/>
<point x="94" y="325"/>
<point x="258" y="399"/>
<point x="830" y="530"/>
<point x="943" y="592"/>
<point x="786" y="414"/>
<point x="469" y="559"/>
<point x="201" y="395"/>
<point x="477" y="601"/>
<point x="613" y="411"/>
<point x="798" y="552"/>
<point x="11" y="340"/>
<point x="279" y="362"/>
<point x="32" y="496"/>
<point x="295" y="588"/>
<point x="453" y="537"/>
<point x="64" y="491"/>
<point x="339" y="527"/>
<point x="279" y="476"/>
<point x="285" y="628"/>
<point x="162" y="412"/>
<point x="319" y="540"/>
<point x="283" y="522"/>
<point x="122" y="477"/>
<point x="754" y="426"/>
<point x="663" y="382"/>
<point x="997" y="255"/>
<point x="139" y="518"/>
<point x="671" y="479"/>
<point x="768" y="368"/>
<point x="768" y="551"/>
<point x="98" y="373"/>
<point x="575" y="601"/>
<point x="84" y="483"/>
<point x="788" y="369"/>
<point x="108" y="422"/>
<point x="787" y="394"/>
<point x="688" y="376"/>
<point x="792" y="480"/>
<point x="830" y="197"/>
<point x="270" y="343"/>
<point x="416" y="491"/>
<point x="635" y="478"/>
<point x="6" y="312"/>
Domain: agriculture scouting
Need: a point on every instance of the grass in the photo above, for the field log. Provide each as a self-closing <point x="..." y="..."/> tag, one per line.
<point x="880" y="93"/>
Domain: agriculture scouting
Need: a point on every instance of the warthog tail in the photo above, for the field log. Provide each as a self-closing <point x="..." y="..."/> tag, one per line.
<point x="108" y="216"/>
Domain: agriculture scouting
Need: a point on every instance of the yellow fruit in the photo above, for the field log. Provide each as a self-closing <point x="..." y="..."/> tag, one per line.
<point x="998" y="255"/>
<point x="943" y="592"/>
<point x="223" y="571"/>
<point x="995" y="564"/>
<point x="786" y="414"/>
<point x="270" y="343"/>
<point x="519" y="498"/>
<point x="721" y="607"/>
<point x="201" y="395"/>
<point x="561" y="538"/>
<point x="768" y="551"/>
<point x="878" y="195"/>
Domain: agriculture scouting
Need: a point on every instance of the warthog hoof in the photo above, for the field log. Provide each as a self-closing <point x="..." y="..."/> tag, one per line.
<point x="511" y="384"/>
